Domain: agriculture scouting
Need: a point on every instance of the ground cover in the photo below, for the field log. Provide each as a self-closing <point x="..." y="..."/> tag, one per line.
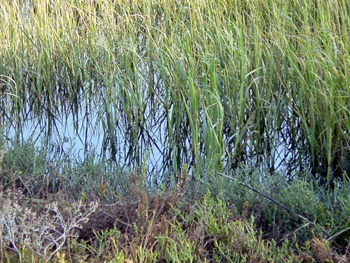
<point x="46" y="219"/>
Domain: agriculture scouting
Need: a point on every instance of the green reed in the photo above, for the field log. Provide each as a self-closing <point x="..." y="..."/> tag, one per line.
<point x="225" y="81"/>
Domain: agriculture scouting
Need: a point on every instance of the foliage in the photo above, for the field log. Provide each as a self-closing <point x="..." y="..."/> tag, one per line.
<point x="255" y="89"/>
<point x="233" y="225"/>
<point x="259" y="82"/>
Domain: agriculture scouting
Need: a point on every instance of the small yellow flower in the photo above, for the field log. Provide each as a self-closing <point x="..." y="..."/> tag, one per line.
<point x="61" y="257"/>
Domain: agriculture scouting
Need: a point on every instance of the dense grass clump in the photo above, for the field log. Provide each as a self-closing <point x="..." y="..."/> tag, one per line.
<point x="258" y="82"/>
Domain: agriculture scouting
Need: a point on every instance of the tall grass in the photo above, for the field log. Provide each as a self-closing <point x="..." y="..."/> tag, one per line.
<point x="261" y="82"/>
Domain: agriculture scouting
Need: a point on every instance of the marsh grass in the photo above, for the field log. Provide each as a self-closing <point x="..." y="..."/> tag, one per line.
<point x="262" y="82"/>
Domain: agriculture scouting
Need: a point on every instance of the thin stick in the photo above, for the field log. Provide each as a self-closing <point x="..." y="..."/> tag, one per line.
<point x="296" y="230"/>
<point x="339" y="233"/>
<point x="274" y="201"/>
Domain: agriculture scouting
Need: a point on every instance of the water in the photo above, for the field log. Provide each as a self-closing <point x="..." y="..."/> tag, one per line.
<point x="84" y="134"/>
<point x="104" y="130"/>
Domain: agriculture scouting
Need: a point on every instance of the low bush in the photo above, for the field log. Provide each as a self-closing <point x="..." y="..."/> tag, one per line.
<point x="89" y="217"/>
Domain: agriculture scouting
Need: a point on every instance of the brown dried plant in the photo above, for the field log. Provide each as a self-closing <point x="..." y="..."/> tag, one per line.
<point x="322" y="252"/>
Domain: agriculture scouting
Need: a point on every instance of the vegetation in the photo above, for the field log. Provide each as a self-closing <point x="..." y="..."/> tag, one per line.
<point x="227" y="81"/>
<point x="90" y="212"/>
<point x="258" y="90"/>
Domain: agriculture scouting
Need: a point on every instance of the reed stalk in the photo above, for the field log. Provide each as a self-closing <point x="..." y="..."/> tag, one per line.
<point x="227" y="81"/>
